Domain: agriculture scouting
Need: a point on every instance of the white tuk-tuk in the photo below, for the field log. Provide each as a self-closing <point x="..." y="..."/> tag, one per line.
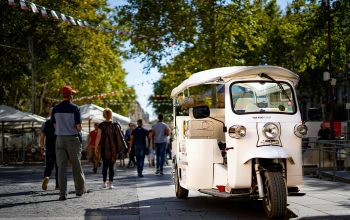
<point x="238" y="133"/>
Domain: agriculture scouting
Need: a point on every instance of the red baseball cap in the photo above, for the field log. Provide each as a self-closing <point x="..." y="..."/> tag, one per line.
<point x="67" y="90"/>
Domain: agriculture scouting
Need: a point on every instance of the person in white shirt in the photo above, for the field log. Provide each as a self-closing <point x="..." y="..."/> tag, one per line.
<point x="160" y="135"/>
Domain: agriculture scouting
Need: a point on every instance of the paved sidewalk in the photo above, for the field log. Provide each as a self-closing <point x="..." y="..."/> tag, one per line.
<point x="151" y="197"/>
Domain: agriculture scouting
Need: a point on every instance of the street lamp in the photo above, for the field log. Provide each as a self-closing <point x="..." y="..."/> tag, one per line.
<point x="326" y="76"/>
<point x="347" y="106"/>
<point x="330" y="99"/>
<point x="333" y="82"/>
<point x="326" y="4"/>
<point x="31" y="67"/>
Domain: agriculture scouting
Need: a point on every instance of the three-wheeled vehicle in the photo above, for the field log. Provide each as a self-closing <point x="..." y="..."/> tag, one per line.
<point x="238" y="134"/>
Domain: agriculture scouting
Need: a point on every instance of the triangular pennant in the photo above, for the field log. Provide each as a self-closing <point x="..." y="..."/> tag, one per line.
<point x="54" y="15"/>
<point x="34" y="8"/>
<point x="80" y="23"/>
<point x="44" y="12"/>
<point x="99" y="28"/>
<point x="64" y="18"/>
<point x="72" y="21"/>
<point x="12" y="3"/>
<point x="23" y="5"/>
<point x="108" y="31"/>
<point x="86" y="24"/>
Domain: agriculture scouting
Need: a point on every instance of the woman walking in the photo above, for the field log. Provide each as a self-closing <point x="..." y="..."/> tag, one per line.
<point x="108" y="144"/>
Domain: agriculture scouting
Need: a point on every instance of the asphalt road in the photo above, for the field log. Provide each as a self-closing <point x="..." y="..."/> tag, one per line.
<point x="151" y="197"/>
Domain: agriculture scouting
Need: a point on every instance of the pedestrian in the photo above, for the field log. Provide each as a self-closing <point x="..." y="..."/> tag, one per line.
<point x="151" y="153"/>
<point x="92" y="156"/>
<point x="324" y="133"/>
<point x="67" y="121"/>
<point x="139" y="138"/>
<point x="109" y="143"/>
<point x="131" y="148"/>
<point x="168" y="150"/>
<point x="47" y="142"/>
<point x="160" y="135"/>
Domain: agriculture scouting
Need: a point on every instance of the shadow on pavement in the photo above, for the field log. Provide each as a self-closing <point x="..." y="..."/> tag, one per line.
<point x="202" y="207"/>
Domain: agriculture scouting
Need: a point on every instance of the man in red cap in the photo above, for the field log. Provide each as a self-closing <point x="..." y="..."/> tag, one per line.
<point x="67" y="120"/>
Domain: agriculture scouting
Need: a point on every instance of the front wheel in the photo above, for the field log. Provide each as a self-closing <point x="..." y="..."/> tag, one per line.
<point x="275" y="194"/>
<point x="180" y="192"/>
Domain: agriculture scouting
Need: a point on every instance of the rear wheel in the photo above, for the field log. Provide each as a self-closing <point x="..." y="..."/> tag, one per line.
<point x="275" y="194"/>
<point x="180" y="192"/>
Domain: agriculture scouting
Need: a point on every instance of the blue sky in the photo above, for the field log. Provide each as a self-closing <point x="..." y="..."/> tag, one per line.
<point x="140" y="81"/>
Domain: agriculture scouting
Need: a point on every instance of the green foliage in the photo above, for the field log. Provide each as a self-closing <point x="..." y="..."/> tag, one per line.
<point x="85" y="58"/>
<point x="182" y="37"/>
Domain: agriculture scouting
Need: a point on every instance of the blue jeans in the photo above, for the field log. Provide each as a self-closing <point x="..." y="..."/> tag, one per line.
<point x="160" y="154"/>
<point x="140" y="157"/>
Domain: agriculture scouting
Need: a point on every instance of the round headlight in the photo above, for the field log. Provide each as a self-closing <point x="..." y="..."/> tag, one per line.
<point x="270" y="130"/>
<point x="300" y="130"/>
<point x="237" y="131"/>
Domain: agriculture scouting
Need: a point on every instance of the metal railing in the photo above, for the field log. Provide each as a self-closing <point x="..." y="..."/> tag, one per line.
<point x="326" y="155"/>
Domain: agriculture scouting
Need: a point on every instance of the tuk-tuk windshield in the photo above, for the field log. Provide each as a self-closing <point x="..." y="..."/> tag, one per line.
<point x="262" y="97"/>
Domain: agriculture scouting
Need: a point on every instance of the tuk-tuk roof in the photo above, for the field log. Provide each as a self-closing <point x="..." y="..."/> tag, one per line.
<point x="237" y="72"/>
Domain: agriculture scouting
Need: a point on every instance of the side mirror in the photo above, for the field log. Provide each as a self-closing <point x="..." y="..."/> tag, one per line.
<point x="201" y="112"/>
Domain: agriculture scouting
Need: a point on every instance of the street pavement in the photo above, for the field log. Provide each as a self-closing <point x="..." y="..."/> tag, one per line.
<point x="151" y="197"/>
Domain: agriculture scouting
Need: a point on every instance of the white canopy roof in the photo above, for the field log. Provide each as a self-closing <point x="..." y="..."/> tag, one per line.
<point x="95" y="113"/>
<point x="237" y="72"/>
<point x="9" y="114"/>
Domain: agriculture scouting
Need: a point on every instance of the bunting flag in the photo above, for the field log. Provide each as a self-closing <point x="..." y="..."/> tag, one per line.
<point x="54" y="15"/>
<point x="135" y="102"/>
<point x="12" y="3"/>
<point x="72" y="21"/>
<point x="64" y="18"/>
<point x="34" y="8"/>
<point x="23" y="5"/>
<point x="120" y="92"/>
<point x="49" y="13"/>
<point x="44" y="12"/>
<point x="80" y="23"/>
<point x="160" y="96"/>
<point x="86" y="24"/>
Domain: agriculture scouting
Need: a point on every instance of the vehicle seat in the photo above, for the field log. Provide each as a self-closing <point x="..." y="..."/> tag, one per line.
<point x="246" y="105"/>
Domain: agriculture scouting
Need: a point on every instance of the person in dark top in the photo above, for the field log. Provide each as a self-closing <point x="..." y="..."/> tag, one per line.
<point x="67" y="120"/>
<point x="324" y="133"/>
<point x="131" y="148"/>
<point x="47" y="141"/>
<point x="139" y="138"/>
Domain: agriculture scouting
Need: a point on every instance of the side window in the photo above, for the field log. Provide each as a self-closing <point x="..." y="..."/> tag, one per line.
<point x="212" y="95"/>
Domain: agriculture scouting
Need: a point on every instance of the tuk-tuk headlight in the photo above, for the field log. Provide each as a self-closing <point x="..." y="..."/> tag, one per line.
<point x="300" y="130"/>
<point x="237" y="131"/>
<point x="270" y="130"/>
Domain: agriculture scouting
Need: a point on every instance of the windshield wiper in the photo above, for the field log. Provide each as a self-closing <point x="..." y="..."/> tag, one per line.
<point x="264" y="75"/>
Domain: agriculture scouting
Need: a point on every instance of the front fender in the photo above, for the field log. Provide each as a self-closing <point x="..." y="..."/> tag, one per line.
<point x="266" y="152"/>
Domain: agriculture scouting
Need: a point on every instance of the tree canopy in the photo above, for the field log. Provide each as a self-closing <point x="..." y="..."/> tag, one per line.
<point x="182" y="37"/>
<point x="87" y="58"/>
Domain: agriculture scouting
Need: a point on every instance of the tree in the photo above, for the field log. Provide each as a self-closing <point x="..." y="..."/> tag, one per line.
<point x="203" y="34"/>
<point x="85" y="58"/>
<point x="209" y="34"/>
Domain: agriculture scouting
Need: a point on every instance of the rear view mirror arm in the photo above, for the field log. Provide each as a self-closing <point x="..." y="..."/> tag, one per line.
<point x="224" y="128"/>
